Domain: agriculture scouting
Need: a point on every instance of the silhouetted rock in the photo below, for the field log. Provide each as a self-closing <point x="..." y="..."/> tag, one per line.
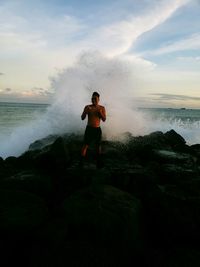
<point x="174" y="216"/>
<point x="53" y="158"/>
<point x="1" y="161"/>
<point x="29" y="181"/>
<point x="40" y="144"/>
<point x="21" y="211"/>
<point x="104" y="216"/>
<point x="169" y="156"/>
<point x="141" y="207"/>
<point x="174" y="139"/>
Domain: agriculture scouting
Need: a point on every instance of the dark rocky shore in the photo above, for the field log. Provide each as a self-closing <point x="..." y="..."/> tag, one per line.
<point x="142" y="208"/>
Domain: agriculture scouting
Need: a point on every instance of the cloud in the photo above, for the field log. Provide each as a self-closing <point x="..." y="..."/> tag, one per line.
<point x="27" y="33"/>
<point x="67" y="31"/>
<point x="41" y="92"/>
<point x="118" y="38"/>
<point x="43" y="43"/>
<point x="176" y="97"/>
<point x="33" y="95"/>
<point x="190" y="43"/>
<point x="192" y="59"/>
<point x="5" y="90"/>
<point x="8" y="90"/>
<point x="25" y="29"/>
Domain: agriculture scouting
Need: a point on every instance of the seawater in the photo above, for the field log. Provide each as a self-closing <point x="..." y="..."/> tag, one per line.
<point x="18" y="124"/>
<point x="172" y="114"/>
<point x="23" y="123"/>
<point x="13" y="115"/>
<point x="184" y="121"/>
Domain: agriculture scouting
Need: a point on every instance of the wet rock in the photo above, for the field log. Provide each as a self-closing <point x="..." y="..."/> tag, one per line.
<point x="171" y="173"/>
<point x="195" y="149"/>
<point x="1" y="161"/>
<point x="29" y="181"/>
<point x="183" y="257"/>
<point x="174" y="139"/>
<point x="148" y="192"/>
<point x="21" y="211"/>
<point x="168" y="156"/>
<point x="11" y="161"/>
<point x="40" y="144"/>
<point x="53" y="158"/>
<point x="104" y="217"/>
<point x="139" y="181"/>
<point x="173" y="216"/>
<point x="114" y="153"/>
<point x="139" y="149"/>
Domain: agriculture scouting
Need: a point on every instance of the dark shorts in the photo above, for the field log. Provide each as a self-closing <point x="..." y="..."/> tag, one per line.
<point x="92" y="135"/>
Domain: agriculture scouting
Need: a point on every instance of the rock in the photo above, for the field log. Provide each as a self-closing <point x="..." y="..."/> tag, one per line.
<point x="174" y="139"/>
<point x="139" y="181"/>
<point x="155" y="140"/>
<point x="53" y="158"/>
<point x="21" y="211"/>
<point x="139" y="149"/>
<point x="26" y="160"/>
<point x="40" y="144"/>
<point x="141" y="205"/>
<point x="1" y="161"/>
<point x="11" y="161"/>
<point x="172" y="173"/>
<point x="167" y="156"/>
<point x="114" y="153"/>
<point x="28" y="181"/>
<point x="1" y="167"/>
<point x="183" y="257"/>
<point x="104" y="217"/>
<point x="195" y="150"/>
<point x="173" y="216"/>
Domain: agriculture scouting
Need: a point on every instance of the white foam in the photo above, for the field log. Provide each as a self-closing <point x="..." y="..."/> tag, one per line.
<point x="115" y="80"/>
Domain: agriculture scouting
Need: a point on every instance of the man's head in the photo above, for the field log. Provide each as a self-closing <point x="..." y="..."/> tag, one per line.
<point x="95" y="98"/>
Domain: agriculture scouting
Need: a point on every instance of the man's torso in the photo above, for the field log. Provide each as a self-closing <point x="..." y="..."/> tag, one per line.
<point x="93" y="115"/>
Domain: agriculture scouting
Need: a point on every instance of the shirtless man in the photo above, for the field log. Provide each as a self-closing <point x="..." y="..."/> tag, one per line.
<point x="93" y="133"/>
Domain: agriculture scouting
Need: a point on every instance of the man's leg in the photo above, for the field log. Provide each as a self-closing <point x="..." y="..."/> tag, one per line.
<point x="99" y="163"/>
<point x="85" y="146"/>
<point x="83" y="154"/>
<point x="98" y="148"/>
<point x="84" y="150"/>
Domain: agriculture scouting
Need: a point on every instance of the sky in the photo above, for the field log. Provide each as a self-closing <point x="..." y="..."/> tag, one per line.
<point x="38" y="39"/>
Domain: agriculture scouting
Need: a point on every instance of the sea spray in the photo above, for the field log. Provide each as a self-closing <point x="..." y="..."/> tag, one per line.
<point x="113" y="78"/>
<point x="117" y="82"/>
<point x="186" y="123"/>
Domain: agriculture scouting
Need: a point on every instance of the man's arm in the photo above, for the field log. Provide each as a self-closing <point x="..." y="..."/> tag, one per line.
<point x="85" y="112"/>
<point x="102" y="113"/>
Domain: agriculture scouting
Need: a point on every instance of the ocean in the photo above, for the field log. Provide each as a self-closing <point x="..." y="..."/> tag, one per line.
<point x="15" y="121"/>
<point x="23" y="123"/>
<point x="13" y="115"/>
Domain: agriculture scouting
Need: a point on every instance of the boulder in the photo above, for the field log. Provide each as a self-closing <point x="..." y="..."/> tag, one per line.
<point x="28" y="181"/>
<point x="169" y="156"/>
<point x="173" y="173"/>
<point x="40" y="144"/>
<point x="104" y="220"/>
<point x="1" y="162"/>
<point x="138" y="181"/>
<point x="174" y="139"/>
<point x="172" y="216"/>
<point x="139" y="149"/>
<point x="53" y="158"/>
<point x="21" y="211"/>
